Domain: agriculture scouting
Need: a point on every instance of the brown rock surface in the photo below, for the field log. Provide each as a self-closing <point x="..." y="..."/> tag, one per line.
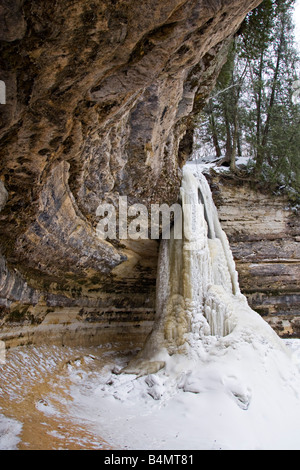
<point x="100" y="103"/>
<point x="263" y="231"/>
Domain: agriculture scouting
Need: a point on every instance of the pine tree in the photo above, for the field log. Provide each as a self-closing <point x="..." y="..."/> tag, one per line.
<point x="254" y="110"/>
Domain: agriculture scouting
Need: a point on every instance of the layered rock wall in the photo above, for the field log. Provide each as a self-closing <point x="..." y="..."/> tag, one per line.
<point x="264" y="234"/>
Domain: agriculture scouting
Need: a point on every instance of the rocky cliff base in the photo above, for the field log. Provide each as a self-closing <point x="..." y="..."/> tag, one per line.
<point x="264" y="234"/>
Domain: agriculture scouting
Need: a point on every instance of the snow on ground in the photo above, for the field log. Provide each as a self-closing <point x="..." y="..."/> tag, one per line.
<point x="232" y="404"/>
<point x="227" y="406"/>
<point x="9" y="433"/>
<point x="205" y="164"/>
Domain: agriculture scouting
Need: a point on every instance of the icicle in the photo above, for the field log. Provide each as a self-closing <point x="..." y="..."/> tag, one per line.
<point x="196" y="279"/>
<point x="208" y="260"/>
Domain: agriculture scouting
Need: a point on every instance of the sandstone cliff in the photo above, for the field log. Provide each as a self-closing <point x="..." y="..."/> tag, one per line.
<point x="263" y="231"/>
<point x="100" y="103"/>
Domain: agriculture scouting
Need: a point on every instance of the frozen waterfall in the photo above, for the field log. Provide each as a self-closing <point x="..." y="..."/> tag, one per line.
<point x="198" y="294"/>
<point x="212" y="374"/>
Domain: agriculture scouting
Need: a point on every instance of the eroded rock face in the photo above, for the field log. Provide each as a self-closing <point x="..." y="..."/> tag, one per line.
<point x="264" y="236"/>
<point x="100" y="103"/>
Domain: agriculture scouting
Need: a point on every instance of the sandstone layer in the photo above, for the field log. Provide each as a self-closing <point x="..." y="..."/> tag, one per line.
<point x="100" y="103"/>
<point x="263" y="230"/>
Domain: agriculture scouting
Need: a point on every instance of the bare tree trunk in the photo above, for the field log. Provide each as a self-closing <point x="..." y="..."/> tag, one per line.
<point x="274" y="85"/>
<point x="214" y="131"/>
<point x="228" y="137"/>
<point x="259" y="149"/>
<point x="235" y="142"/>
<point x="265" y="132"/>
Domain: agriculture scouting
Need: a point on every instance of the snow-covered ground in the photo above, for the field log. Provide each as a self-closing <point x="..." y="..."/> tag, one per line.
<point x="210" y="162"/>
<point x="9" y="433"/>
<point x="221" y="410"/>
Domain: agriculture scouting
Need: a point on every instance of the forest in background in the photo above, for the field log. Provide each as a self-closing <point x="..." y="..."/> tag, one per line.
<point x="253" y="111"/>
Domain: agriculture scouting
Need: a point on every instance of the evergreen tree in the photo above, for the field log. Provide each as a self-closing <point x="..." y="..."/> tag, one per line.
<point x="252" y="112"/>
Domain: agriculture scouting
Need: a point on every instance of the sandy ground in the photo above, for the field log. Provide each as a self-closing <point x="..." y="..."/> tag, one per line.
<point x="34" y="398"/>
<point x="60" y="398"/>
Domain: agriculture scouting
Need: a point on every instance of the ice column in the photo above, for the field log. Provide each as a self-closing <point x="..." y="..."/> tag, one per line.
<point x="197" y="282"/>
<point x="196" y="272"/>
